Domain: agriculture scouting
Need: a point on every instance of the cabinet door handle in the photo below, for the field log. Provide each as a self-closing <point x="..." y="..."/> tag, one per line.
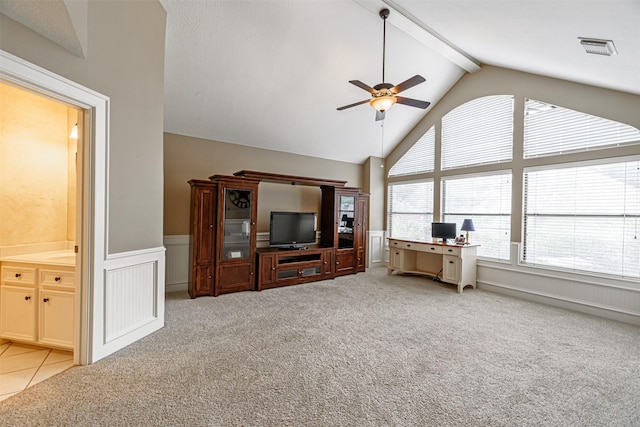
<point x="273" y="268"/>
<point x="45" y="300"/>
<point x="57" y="279"/>
<point x="209" y="277"/>
<point x="210" y="225"/>
<point x="18" y="275"/>
<point x="337" y="262"/>
<point x="451" y="262"/>
<point x="27" y="298"/>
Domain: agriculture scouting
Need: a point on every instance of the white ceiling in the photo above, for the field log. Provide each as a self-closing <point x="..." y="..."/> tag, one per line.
<point x="271" y="73"/>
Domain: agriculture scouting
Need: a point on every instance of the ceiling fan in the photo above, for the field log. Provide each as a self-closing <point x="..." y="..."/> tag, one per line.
<point x="384" y="95"/>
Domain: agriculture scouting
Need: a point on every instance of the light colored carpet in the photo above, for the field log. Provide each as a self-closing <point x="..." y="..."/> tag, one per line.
<point x="363" y="350"/>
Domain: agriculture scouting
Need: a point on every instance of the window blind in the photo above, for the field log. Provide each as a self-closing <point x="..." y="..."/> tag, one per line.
<point x="410" y="210"/>
<point x="486" y="199"/>
<point x="584" y="217"/>
<point x="419" y="158"/>
<point x="478" y="132"/>
<point x="549" y="129"/>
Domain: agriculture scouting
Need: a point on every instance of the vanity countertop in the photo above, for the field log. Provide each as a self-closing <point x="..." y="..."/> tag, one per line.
<point x="60" y="258"/>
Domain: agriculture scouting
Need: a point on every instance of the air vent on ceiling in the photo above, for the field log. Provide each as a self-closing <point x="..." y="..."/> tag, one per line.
<point x="598" y="46"/>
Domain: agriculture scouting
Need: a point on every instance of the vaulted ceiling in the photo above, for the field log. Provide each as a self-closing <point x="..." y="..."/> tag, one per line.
<point x="271" y="73"/>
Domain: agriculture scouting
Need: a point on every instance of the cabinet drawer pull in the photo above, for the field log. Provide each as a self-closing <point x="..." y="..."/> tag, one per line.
<point x="451" y="262"/>
<point x="450" y="250"/>
<point x="18" y="275"/>
<point x="45" y="300"/>
<point x="408" y="245"/>
<point x="57" y="279"/>
<point x="27" y="298"/>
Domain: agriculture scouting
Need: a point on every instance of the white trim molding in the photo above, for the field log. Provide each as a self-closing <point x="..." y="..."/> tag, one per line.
<point x="92" y="154"/>
<point x="133" y="298"/>
<point x="376" y="243"/>
<point x="177" y="264"/>
<point x="611" y="298"/>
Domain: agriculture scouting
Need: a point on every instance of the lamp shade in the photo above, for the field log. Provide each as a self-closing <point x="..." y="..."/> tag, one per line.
<point x="467" y="225"/>
<point x="382" y="103"/>
<point x="74" y="132"/>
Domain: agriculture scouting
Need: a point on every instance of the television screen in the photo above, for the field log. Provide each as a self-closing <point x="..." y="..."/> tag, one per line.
<point x="443" y="230"/>
<point x="291" y="229"/>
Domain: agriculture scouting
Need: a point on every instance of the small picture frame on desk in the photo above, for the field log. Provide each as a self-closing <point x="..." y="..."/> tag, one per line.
<point x="460" y="240"/>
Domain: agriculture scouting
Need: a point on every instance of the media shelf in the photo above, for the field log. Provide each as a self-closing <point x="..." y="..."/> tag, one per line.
<point x="277" y="267"/>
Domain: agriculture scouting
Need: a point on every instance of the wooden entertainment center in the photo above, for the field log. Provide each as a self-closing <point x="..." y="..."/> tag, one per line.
<point x="223" y="254"/>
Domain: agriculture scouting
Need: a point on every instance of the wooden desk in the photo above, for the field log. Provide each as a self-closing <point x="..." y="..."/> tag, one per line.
<point x="455" y="264"/>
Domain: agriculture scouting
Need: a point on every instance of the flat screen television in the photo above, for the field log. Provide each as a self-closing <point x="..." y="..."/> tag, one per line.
<point x="292" y="229"/>
<point x="443" y="230"/>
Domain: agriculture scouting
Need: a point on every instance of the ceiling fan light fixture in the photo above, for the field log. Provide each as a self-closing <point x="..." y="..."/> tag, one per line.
<point x="383" y="103"/>
<point x="598" y="46"/>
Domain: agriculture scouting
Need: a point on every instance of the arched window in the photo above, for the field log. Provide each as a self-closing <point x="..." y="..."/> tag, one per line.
<point x="478" y="132"/>
<point x="419" y="158"/>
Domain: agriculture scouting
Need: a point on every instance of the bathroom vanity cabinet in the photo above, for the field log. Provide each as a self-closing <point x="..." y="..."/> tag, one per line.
<point x="37" y="304"/>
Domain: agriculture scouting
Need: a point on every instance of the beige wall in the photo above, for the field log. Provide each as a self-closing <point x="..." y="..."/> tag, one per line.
<point x="124" y="61"/>
<point x="373" y="170"/>
<point x="37" y="199"/>
<point x="188" y="158"/>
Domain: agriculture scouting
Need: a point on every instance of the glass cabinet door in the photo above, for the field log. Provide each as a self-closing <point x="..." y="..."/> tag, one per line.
<point x="237" y="223"/>
<point x="346" y="216"/>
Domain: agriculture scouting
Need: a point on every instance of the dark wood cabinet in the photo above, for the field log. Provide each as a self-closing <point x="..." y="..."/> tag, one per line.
<point x="361" y="231"/>
<point x="202" y="235"/>
<point x="235" y="248"/>
<point x="343" y="226"/>
<point x="278" y="267"/>
<point x="223" y="235"/>
<point x="223" y="256"/>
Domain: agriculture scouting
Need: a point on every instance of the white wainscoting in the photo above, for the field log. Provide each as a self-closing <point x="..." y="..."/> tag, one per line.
<point x="132" y="298"/>
<point x="177" y="276"/>
<point x="602" y="296"/>
<point x="376" y="244"/>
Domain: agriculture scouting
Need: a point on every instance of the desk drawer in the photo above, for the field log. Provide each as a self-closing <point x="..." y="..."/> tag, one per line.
<point x="434" y="249"/>
<point x="449" y="250"/>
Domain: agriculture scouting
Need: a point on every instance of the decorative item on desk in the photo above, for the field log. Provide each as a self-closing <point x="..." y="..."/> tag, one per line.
<point x="467" y="225"/>
<point x="460" y="240"/>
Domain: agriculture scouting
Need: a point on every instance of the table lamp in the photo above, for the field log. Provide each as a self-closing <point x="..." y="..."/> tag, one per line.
<point x="467" y="225"/>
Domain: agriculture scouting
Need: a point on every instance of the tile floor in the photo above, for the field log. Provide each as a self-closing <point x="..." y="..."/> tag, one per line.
<point x="22" y="366"/>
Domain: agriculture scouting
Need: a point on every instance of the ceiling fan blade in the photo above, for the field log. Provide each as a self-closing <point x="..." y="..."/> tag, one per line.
<point x="379" y="115"/>
<point x="412" y="102"/>
<point x="363" y="86"/>
<point x="415" y="80"/>
<point x="352" y="105"/>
